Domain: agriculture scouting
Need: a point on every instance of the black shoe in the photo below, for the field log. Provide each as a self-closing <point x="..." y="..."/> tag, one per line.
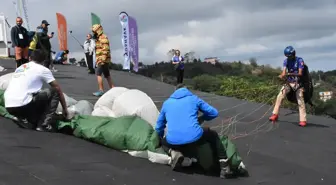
<point x="44" y="128"/>
<point x="23" y="123"/>
<point x="242" y="171"/>
<point x="225" y="169"/>
<point x="177" y="159"/>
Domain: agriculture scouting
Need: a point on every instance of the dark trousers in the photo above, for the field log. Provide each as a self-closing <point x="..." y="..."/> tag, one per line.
<point x="19" y="62"/>
<point x="47" y="60"/>
<point x="89" y="59"/>
<point x="41" y="110"/>
<point x="209" y="136"/>
<point x="180" y="73"/>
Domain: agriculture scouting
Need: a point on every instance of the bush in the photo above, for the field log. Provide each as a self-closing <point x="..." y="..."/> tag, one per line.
<point x="206" y="83"/>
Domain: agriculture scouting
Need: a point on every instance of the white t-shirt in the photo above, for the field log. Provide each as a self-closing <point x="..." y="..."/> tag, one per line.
<point x="26" y="80"/>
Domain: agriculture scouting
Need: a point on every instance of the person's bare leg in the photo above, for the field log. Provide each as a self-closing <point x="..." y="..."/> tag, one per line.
<point x="109" y="81"/>
<point x="100" y="83"/>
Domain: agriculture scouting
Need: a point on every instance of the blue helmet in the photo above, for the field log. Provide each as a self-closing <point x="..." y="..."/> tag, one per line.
<point x="289" y="51"/>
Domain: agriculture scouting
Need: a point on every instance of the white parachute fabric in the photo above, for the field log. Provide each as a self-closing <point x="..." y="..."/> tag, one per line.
<point x="120" y="101"/>
<point x="108" y="98"/>
<point x="2" y="69"/>
<point x="104" y="104"/>
<point x="82" y="107"/>
<point x="5" y="80"/>
<point x="69" y="102"/>
<point x="151" y="156"/>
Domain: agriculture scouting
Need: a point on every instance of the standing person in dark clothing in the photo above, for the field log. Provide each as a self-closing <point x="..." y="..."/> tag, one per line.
<point x="89" y="49"/>
<point x="178" y="61"/>
<point x="41" y="41"/>
<point x="20" y="40"/>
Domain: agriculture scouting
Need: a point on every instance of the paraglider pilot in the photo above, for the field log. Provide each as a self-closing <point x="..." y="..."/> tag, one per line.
<point x="295" y="66"/>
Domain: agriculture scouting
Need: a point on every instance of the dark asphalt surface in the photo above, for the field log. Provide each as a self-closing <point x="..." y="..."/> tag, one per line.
<point x="281" y="154"/>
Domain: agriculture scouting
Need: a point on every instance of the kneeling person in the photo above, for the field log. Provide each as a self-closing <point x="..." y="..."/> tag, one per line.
<point x="27" y="101"/>
<point x="180" y="113"/>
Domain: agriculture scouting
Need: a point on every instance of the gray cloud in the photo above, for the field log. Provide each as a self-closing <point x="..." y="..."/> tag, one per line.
<point x="233" y="30"/>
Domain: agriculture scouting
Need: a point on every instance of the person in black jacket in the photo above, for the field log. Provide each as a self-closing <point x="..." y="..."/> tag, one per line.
<point x="43" y="42"/>
<point x="20" y="41"/>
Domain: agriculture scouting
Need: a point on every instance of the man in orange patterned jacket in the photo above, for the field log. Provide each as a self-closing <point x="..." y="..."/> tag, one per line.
<point x="103" y="58"/>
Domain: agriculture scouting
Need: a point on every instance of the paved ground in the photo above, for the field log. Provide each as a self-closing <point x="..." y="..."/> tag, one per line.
<point x="280" y="154"/>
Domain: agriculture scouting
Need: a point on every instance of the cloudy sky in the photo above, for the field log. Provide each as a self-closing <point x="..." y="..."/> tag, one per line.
<point x="229" y="29"/>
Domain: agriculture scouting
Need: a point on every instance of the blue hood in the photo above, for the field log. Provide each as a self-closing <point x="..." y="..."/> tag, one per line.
<point x="180" y="113"/>
<point x="181" y="93"/>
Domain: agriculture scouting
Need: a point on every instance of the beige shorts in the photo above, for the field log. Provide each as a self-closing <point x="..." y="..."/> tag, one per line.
<point x="21" y="53"/>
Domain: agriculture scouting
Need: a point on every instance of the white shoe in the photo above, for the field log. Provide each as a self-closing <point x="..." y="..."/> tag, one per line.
<point x="177" y="159"/>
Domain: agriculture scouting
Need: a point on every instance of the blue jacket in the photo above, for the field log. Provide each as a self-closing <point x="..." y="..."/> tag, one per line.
<point x="180" y="60"/>
<point x="180" y="113"/>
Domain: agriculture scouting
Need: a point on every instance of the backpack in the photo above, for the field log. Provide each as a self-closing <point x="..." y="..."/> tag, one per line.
<point x="306" y="82"/>
<point x="31" y="35"/>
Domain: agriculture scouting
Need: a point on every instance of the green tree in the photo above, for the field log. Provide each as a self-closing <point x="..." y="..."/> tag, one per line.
<point x="189" y="56"/>
<point x="253" y="62"/>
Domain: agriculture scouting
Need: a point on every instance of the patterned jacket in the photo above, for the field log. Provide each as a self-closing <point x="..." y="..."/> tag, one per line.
<point x="103" y="53"/>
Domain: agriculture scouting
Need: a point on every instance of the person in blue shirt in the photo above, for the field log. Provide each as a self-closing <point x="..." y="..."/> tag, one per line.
<point x="293" y="66"/>
<point x="61" y="57"/>
<point x="178" y="61"/>
<point x="180" y="114"/>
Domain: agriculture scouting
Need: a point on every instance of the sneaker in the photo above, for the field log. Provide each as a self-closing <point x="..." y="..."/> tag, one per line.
<point x="303" y="123"/>
<point x="274" y="118"/>
<point x="23" y="123"/>
<point x="242" y="170"/>
<point x="177" y="159"/>
<point x="225" y="169"/>
<point x="43" y="128"/>
<point x="98" y="93"/>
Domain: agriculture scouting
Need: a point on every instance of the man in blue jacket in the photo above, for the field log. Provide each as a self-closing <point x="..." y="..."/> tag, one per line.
<point x="180" y="114"/>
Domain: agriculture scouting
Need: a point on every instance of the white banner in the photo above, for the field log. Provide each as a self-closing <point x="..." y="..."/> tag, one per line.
<point x="25" y="12"/>
<point x="22" y="11"/>
<point x="2" y="38"/>
<point x="123" y="17"/>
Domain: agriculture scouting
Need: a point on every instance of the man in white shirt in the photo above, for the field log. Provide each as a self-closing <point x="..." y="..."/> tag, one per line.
<point x="89" y="49"/>
<point x="27" y="101"/>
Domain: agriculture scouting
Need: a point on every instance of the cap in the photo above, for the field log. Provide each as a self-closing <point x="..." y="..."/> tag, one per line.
<point x="45" y="22"/>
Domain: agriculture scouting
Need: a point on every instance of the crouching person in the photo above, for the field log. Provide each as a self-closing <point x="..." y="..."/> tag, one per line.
<point x="28" y="101"/>
<point x="180" y="114"/>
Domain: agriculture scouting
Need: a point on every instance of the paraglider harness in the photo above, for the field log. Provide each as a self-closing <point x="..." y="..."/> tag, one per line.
<point x="305" y="82"/>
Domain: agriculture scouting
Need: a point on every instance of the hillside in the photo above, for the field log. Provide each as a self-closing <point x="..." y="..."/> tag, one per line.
<point x="243" y="81"/>
<point x="34" y="158"/>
